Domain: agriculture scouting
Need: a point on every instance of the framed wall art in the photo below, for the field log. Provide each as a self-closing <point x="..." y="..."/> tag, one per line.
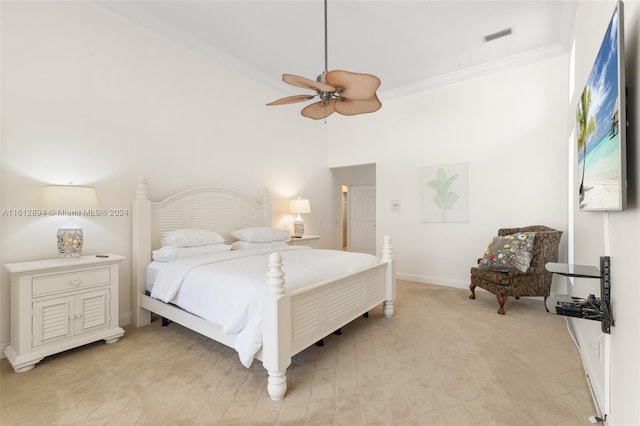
<point x="444" y="193"/>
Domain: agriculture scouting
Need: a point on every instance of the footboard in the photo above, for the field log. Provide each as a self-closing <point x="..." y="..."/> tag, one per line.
<point x="294" y="321"/>
<point x="324" y="308"/>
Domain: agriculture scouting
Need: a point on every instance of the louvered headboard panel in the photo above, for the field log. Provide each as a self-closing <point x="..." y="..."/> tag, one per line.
<point x="210" y="208"/>
<point x="215" y="209"/>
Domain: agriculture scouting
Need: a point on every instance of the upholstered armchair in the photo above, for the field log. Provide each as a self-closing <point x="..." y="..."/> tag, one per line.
<point x="535" y="281"/>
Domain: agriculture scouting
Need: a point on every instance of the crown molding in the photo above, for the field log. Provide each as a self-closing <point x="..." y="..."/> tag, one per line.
<point x="477" y="71"/>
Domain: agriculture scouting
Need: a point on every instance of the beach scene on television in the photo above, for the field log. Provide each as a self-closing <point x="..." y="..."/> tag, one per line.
<point x="600" y="157"/>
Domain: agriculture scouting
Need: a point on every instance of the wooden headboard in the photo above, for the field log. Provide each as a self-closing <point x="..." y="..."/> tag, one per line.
<point x="211" y="208"/>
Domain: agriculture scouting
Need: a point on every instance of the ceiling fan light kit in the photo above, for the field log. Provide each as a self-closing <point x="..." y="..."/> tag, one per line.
<point x="344" y="92"/>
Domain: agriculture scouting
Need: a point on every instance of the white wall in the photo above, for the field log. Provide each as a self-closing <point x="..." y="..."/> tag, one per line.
<point x="90" y="97"/>
<point x="611" y="360"/>
<point x="510" y="129"/>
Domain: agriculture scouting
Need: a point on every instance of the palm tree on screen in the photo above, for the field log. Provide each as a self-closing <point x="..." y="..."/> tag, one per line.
<point x="586" y="128"/>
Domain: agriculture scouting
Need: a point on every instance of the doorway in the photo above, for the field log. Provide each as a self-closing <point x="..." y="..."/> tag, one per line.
<point x="345" y="180"/>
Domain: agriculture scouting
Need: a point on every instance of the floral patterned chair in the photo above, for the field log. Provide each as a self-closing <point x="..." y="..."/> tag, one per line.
<point x="497" y="273"/>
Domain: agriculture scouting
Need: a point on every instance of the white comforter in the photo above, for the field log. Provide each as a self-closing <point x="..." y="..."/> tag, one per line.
<point x="227" y="288"/>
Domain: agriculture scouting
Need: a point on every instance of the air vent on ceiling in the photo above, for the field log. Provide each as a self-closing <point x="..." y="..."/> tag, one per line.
<point x="498" y="34"/>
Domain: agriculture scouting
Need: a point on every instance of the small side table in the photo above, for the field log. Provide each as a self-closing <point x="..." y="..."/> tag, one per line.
<point x="304" y="240"/>
<point x="60" y="304"/>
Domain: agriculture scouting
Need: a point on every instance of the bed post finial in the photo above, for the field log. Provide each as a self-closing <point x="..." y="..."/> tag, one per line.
<point x="142" y="191"/>
<point x="275" y="276"/>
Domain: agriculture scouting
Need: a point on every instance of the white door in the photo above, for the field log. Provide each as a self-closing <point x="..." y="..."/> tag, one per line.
<point x="362" y="219"/>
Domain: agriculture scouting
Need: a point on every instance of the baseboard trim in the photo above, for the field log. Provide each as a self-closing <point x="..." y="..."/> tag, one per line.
<point x="124" y="319"/>
<point x="2" y="349"/>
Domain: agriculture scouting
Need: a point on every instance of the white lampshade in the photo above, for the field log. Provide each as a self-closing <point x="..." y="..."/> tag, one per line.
<point x="70" y="197"/>
<point x="299" y="206"/>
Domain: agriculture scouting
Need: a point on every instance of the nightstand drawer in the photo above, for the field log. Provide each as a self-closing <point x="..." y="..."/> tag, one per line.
<point x="69" y="281"/>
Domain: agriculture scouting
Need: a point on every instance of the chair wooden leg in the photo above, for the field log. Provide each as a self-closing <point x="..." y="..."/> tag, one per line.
<point x="472" y="287"/>
<point x="501" y="300"/>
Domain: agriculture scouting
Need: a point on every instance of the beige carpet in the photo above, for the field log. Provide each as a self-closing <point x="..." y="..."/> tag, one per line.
<point x="443" y="359"/>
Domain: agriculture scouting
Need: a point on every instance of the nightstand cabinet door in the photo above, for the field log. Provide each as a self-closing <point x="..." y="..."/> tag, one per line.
<point x="52" y="320"/>
<point x="58" y="318"/>
<point x="92" y="311"/>
<point x="60" y="304"/>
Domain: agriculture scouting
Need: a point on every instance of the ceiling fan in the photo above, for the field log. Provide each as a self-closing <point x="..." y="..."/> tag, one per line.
<point x="345" y="92"/>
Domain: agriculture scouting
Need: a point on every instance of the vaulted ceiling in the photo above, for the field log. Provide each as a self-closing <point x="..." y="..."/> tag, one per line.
<point x="409" y="45"/>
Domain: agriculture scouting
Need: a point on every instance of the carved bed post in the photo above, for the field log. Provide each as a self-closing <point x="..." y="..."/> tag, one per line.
<point x="390" y="291"/>
<point x="140" y="251"/>
<point x="276" y="332"/>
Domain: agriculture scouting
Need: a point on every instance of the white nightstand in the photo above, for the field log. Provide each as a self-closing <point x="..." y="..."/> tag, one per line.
<point x="305" y="240"/>
<point x="59" y="304"/>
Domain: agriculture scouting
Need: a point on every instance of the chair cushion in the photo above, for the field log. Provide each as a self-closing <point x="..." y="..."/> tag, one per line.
<point x="479" y="276"/>
<point x="508" y="251"/>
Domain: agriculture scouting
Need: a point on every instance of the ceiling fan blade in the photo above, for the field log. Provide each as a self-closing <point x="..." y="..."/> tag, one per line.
<point x="355" y="86"/>
<point x="355" y="107"/>
<point x="306" y="83"/>
<point x="318" y="111"/>
<point x="292" y="99"/>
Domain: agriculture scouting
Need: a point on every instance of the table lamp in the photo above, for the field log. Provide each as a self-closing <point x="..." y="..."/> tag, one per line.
<point x="299" y="206"/>
<point x="70" y="200"/>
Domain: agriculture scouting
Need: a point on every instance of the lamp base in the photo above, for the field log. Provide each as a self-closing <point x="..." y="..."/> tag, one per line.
<point x="70" y="242"/>
<point x="298" y="228"/>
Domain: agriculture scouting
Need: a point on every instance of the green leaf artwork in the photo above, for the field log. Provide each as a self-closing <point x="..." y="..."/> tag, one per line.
<point x="443" y="198"/>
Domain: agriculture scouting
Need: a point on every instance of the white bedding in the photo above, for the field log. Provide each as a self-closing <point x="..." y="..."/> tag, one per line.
<point x="152" y="272"/>
<point x="226" y="288"/>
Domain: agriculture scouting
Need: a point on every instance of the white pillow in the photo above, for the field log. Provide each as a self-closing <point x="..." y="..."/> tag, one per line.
<point x="239" y="245"/>
<point x="261" y="234"/>
<point x="169" y="253"/>
<point x="191" y="238"/>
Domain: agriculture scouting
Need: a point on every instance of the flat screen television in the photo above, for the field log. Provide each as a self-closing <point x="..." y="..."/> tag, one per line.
<point x="601" y="126"/>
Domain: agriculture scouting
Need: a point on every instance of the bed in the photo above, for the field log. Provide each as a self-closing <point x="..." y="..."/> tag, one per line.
<point x="292" y="319"/>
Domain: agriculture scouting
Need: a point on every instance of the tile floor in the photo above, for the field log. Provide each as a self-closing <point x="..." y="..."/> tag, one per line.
<point x="442" y="359"/>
